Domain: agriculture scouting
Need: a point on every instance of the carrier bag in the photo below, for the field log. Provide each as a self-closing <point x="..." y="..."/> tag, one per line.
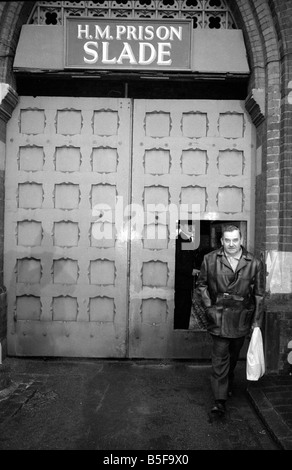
<point x="255" y="360"/>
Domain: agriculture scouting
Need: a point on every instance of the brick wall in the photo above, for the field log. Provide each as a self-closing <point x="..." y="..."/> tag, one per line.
<point x="282" y="17"/>
<point x="279" y="305"/>
<point x="267" y="27"/>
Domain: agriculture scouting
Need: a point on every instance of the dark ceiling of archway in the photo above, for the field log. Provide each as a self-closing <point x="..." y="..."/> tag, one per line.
<point x="139" y="88"/>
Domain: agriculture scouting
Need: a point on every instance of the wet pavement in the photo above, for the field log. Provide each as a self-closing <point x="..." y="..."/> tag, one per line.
<point x="68" y="404"/>
<point x="271" y="397"/>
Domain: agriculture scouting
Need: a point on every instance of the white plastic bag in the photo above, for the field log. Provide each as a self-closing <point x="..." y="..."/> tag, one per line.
<point x="255" y="360"/>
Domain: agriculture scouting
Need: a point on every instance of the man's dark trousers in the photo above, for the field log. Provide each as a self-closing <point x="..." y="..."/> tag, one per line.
<point x="225" y="354"/>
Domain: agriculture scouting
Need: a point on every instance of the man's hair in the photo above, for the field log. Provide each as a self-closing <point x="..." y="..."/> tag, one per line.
<point x="230" y="228"/>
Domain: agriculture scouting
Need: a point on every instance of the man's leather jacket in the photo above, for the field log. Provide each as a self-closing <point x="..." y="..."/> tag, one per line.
<point x="233" y="301"/>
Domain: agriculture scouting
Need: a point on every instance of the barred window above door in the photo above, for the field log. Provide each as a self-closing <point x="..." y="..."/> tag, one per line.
<point x="210" y="14"/>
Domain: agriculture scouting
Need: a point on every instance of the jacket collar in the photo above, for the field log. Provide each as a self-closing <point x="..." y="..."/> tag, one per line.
<point x="245" y="258"/>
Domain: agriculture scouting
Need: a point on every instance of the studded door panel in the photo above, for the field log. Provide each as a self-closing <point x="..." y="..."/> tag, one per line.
<point x="65" y="262"/>
<point x="194" y="156"/>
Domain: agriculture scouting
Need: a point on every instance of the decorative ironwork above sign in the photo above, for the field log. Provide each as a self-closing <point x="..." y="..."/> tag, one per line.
<point x="127" y="44"/>
<point x="205" y="14"/>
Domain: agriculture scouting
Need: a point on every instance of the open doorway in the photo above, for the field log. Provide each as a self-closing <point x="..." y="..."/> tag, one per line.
<point x="189" y="256"/>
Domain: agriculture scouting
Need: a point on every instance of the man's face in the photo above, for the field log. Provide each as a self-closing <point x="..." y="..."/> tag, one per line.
<point x="231" y="242"/>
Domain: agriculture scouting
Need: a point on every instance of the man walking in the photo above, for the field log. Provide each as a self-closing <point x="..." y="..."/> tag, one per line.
<point x="231" y="289"/>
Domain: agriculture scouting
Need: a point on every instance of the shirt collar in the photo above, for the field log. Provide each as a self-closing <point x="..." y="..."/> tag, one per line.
<point x="237" y="257"/>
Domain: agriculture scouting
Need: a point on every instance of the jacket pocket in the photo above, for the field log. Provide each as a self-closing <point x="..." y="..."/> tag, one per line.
<point x="245" y="319"/>
<point x="214" y="317"/>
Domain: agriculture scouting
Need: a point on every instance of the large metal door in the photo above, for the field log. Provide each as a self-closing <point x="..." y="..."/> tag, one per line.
<point x="194" y="155"/>
<point x="65" y="262"/>
<point x="92" y="199"/>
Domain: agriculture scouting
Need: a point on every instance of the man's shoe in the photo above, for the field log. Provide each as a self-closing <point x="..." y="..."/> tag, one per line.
<point x="219" y="408"/>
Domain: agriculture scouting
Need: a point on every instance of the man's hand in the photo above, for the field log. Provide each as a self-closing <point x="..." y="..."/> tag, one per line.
<point x="251" y="330"/>
<point x="195" y="272"/>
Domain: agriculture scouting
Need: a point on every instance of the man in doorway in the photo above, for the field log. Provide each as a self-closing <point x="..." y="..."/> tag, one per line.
<point x="231" y="289"/>
<point x="185" y="270"/>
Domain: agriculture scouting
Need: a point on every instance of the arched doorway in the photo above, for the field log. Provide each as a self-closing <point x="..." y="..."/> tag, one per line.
<point x="178" y="149"/>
